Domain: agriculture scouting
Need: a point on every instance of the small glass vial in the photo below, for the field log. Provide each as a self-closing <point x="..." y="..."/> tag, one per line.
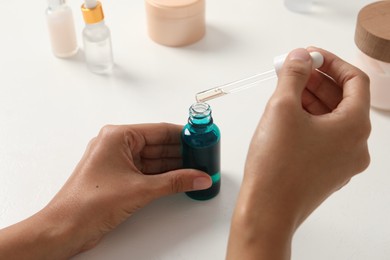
<point x="201" y="148"/>
<point x="61" y="27"/>
<point x="299" y="6"/>
<point x="372" y="37"/>
<point x="96" y="38"/>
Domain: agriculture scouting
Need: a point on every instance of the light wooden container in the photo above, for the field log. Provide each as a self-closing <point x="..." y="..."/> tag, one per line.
<point x="372" y="37"/>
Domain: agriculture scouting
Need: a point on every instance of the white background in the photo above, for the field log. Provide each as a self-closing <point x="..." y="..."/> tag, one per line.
<point x="50" y="108"/>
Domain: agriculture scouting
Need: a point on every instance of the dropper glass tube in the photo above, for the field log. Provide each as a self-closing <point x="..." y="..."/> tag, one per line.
<point x="242" y="84"/>
<point x="235" y="86"/>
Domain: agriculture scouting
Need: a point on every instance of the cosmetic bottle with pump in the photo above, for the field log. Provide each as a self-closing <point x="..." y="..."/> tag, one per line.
<point x="201" y="148"/>
<point x="96" y="38"/>
<point x="61" y="27"/>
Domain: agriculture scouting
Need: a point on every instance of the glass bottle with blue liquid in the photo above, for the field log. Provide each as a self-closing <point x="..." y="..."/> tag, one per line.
<point x="201" y="148"/>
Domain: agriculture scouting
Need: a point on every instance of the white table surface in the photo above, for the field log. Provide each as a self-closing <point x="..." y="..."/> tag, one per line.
<point x="50" y="108"/>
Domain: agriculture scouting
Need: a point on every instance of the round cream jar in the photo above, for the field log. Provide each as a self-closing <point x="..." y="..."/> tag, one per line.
<point x="372" y="37"/>
<point x="176" y="23"/>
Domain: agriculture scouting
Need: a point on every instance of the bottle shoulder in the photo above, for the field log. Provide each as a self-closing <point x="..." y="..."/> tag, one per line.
<point x="195" y="129"/>
<point x="201" y="136"/>
<point x="96" y="32"/>
<point x="63" y="10"/>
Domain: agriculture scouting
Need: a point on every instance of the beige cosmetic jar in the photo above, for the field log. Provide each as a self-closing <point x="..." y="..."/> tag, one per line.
<point x="372" y="37"/>
<point x="175" y="22"/>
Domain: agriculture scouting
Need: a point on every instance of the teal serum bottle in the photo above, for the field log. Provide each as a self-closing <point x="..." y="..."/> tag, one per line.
<point x="201" y="148"/>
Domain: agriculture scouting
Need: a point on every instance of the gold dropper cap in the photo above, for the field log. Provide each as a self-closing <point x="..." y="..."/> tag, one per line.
<point x="93" y="15"/>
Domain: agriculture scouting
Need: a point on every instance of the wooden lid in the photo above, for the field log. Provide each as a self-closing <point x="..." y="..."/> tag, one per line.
<point x="372" y="35"/>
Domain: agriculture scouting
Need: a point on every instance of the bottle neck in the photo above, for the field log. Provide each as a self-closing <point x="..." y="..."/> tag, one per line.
<point x="95" y="25"/>
<point x="200" y="115"/>
<point x="54" y="4"/>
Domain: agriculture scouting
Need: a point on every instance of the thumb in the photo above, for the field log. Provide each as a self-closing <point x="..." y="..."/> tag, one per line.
<point x="180" y="181"/>
<point x="294" y="74"/>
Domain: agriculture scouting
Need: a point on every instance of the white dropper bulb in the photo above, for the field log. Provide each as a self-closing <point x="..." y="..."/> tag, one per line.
<point x="316" y="58"/>
<point x="90" y="4"/>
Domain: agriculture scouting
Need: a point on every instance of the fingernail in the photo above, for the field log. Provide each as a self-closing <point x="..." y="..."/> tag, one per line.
<point x="201" y="183"/>
<point x="300" y="54"/>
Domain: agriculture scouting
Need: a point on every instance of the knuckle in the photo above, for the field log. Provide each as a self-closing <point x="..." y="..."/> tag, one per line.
<point x="365" y="130"/>
<point x="92" y="142"/>
<point x="363" y="161"/>
<point x="356" y="145"/>
<point x="282" y="104"/>
<point x="366" y="160"/>
<point x="361" y="129"/>
<point x="353" y="142"/>
<point x="106" y="131"/>
<point x="177" y="184"/>
<point x="364" y="78"/>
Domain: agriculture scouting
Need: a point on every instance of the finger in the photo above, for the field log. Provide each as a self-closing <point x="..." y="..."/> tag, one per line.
<point x="155" y="166"/>
<point x="325" y="89"/>
<point x="294" y="75"/>
<point x="152" y="134"/>
<point x="313" y="104"/>
<point x="179" y="181"/>
<point x="161" y="151"/>
<point x="354" y="82"/>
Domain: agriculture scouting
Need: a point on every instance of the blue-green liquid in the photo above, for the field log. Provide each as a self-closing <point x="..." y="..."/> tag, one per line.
<point x="202" y="151"/>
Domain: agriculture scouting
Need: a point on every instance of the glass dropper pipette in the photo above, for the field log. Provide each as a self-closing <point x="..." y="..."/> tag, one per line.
<point x="235" y="86"/>
<point x="252" y="81"/>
